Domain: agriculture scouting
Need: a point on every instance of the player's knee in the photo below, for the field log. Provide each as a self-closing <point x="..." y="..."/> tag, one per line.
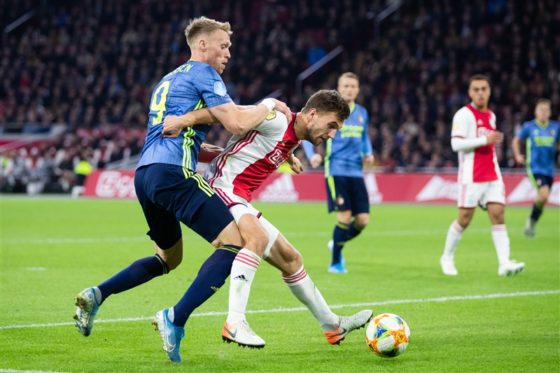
<point x="257" y="242"/>
<point x="172" y="256"/>
<point x="361" y="222"/>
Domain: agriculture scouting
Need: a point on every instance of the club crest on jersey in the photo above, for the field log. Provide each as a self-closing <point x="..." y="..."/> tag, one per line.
<point x="480" y="122"/>
<point x="271" y="115"/>
<point x="220" y="88"/>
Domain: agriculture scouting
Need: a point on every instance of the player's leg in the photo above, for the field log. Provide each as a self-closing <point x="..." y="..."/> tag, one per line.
<point x="543" y="184"/>
<point x="359" y="202"/>
<point x="191" y="200"/>
<point x="236" y="328"/>
<point x="338" y="200"/>
<point x="506" y="266"/>
<point x="289" y="261"/>
<point x="165" y="231"/>
<point x="467" y="201"/>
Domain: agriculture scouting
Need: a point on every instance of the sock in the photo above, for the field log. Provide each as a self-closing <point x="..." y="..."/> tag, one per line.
<point x="305" y="290"/>
<point x="536" y="212"/>
<point x="352" y="231"/>
<point x="501" y="243"/>
<point x="453" y="237"/>
<point x="340" y="233"/>
<point x="139" y="272"/>
<point x="210" y="278"/>
<point x="242" y="273"/>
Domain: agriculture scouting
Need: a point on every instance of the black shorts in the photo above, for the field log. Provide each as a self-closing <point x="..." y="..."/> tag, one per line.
<point x="347" y="193"/>
<point x="540" y="180"/>
<point x="170" y="194"/>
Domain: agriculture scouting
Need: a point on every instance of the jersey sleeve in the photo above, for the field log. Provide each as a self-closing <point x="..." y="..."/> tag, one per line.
<point x="212" y="88"/>
<point x="461" y="124"/>
<point x="274" y="125"/>
<point x="308" y="148"/>
<point x="525" y="131"/>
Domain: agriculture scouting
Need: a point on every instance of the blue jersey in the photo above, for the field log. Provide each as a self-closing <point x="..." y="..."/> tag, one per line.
<point x="191" y="86"/>
<point x="541" y="144"/>
<point x="344" y="154"/>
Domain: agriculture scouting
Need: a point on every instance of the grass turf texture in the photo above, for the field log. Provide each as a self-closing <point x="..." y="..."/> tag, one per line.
<point x="53" y="248"/>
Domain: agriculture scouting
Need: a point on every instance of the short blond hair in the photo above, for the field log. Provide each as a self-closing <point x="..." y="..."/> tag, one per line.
<point x="350" y="75"/>
<point x="204" y="25"/>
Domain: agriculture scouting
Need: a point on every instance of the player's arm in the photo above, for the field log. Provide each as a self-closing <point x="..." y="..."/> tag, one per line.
<point x="367" y="149"/>
<point x="463" y="134"/>
<point x="295" y="163"/>
<point x="239" y="121"/>
<point x="516" y="146"/>
<point x="248" y="117"/>
<point x="462" y="144"/>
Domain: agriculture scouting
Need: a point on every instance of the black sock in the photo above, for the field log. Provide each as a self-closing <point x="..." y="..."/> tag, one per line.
<point x="139" y="272"/>
<point x="211" y="276"/>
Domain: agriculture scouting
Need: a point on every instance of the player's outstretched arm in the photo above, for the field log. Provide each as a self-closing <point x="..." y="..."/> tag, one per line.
<point x="239" y="121"/>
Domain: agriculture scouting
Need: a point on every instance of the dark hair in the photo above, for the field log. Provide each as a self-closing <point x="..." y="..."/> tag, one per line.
<point x="328" y="101"/>
<point x="479" y="77"/>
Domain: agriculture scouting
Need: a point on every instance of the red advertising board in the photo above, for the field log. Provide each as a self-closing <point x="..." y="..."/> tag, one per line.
<point x="282" y="187"/>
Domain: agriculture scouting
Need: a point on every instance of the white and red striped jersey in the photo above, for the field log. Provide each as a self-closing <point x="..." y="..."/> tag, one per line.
<point x="480" y="164"/>
<point x="249" y="159"/>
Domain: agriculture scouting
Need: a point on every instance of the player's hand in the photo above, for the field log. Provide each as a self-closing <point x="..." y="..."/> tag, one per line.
<point x="368" y="160"/>
<point x="283" y="108"/>
<point x="316" y="160"/>
<point x="211" y="148"/>
<point x="296" y="165"/>
<point x="173" y="125"/>
<point x="520" y="159"/>
<point x="494" y="137"/>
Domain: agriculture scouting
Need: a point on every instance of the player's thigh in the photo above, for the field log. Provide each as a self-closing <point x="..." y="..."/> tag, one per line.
<point x="493" y="192"/>
<point x="338" y="193"/>
<point x="164" y="229"/>
<point x="285" y="256"/>
<point x="359" y="198"/>
<point x="191" y="200"/>
<point x="543" y="183"/>
<point x="470" y="194"/>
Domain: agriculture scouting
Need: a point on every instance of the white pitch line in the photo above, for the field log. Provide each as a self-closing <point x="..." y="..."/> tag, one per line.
<point x="97" y="240"/>
<point x="27" y="371"/>
<point x="300" y="309"/>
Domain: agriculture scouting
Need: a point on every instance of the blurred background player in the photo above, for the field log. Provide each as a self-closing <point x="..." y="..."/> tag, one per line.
<point x="241" y="168"/>
<point x="473" y="136"/>
<point x="542" y="140"/>
<point x="169" y="189"/>
<point x="345" y="156"/>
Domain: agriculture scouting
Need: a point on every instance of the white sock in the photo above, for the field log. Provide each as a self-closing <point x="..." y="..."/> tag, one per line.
<point x="305" y="290"/>
<point x="241" y="277"/>
<point x="501" y="243"/>
<point x="453" y="237"/>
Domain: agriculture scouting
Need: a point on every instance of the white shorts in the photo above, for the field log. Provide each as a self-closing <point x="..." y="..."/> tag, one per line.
<point x="475" y="194"/>
<point x="238" y="207"/>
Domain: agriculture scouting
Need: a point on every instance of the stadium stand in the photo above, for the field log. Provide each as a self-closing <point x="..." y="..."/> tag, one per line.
<point x="90" y="65"/>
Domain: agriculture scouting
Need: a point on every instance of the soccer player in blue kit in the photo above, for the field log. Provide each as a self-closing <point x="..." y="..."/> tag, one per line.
<point x="170" y="191"/>
<point x="542" y="139"/>
<point x="343" y="162"/>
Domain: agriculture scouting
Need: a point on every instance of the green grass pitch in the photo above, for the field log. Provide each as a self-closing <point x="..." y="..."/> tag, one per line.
<point x="476" y="322"/>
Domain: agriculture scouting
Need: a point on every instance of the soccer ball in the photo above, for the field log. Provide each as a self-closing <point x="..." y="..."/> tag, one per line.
<point x="387" y="335"/>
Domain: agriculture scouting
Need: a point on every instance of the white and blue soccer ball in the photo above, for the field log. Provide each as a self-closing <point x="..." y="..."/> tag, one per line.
<point x="387" y="335"/>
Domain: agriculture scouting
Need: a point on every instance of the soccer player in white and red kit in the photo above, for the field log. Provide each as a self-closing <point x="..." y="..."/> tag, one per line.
<point x="474" y="137"/>
<point x="249" y="158"/>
